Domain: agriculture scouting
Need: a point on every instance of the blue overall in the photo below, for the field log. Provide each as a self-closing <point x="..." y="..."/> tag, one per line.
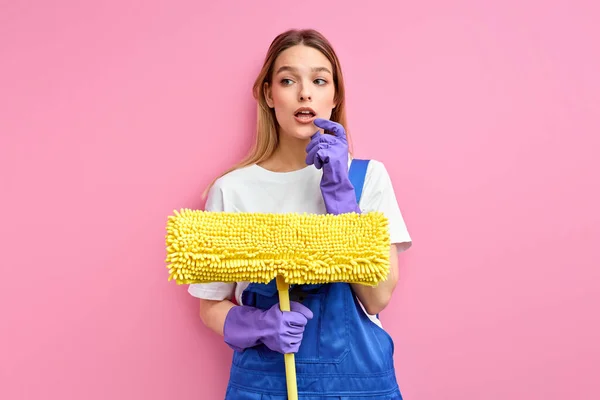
<point x="343" y="354"/>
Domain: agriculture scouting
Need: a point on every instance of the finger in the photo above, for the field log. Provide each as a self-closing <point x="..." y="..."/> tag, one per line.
<point x="318" y="162"/>
<point x="313" y="157"/>
<point x="296" y="329"/>
<point x="292" y="347"/>
<point x="334" y="127"/>
<point x="310" y="156"/>
<point x="327" y="139"/>
<point x="297" y="326"/>
<point x="301" y="308"/>
<point x="288" y="345"/>
<point x="322" y="142"/>
<point x="292" y="341"/>
<point x="311" y="145"/>
<point x="295" y="321"/>
<point x="322" y="157"/>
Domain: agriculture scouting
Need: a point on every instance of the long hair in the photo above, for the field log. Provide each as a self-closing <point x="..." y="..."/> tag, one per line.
<point x="266" y="138"/>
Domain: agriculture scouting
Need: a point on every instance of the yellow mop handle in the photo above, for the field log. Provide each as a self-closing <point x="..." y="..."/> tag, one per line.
<point x="290" y="363"/>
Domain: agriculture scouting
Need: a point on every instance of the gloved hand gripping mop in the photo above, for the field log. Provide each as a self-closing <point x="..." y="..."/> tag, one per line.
<point x="341" y="246"/>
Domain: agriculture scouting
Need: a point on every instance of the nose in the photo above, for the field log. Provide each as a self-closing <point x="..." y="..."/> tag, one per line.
<point x="305" y="94"/>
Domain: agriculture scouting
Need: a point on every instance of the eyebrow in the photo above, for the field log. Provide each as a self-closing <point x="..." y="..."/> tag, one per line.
<point x="292" y="69"/>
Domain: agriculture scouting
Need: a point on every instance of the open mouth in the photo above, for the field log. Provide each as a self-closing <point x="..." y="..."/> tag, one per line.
<point x="305" y="114"/>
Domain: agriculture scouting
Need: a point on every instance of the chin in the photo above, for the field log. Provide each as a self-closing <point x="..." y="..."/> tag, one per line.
<point x="301" y="132"/>
<point x="306" y="132"/>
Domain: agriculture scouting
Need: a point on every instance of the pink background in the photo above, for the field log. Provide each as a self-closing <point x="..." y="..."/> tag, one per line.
<point x="487" y="117"/>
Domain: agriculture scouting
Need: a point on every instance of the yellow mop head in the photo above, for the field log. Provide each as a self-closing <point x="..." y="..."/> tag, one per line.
<point x="204" y="246"/>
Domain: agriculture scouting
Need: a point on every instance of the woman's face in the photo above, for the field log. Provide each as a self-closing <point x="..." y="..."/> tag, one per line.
<point x="301" y="90"/>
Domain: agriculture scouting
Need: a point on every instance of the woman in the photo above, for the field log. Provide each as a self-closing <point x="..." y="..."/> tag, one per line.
<point x="300" y="163"/>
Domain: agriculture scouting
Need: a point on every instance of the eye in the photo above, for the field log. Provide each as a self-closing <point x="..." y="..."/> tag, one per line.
<point x="320" y="81"/>
<point x="286" y="81"/>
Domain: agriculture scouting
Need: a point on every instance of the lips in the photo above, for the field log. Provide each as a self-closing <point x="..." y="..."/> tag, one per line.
<point x="305" y="115"/>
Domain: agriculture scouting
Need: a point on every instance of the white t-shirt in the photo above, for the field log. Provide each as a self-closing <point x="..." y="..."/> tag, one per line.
<point x="255" y="189"/>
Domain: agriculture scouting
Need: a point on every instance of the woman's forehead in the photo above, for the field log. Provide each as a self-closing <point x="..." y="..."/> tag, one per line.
<point x="302" y="59"/>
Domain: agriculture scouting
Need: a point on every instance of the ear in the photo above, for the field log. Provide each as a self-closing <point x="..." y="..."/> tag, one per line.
<point x="267" y="93"/>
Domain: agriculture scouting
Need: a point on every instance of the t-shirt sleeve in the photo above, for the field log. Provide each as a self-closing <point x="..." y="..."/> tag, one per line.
<point x="379" y="195"/>
<point x="213" y="290"/>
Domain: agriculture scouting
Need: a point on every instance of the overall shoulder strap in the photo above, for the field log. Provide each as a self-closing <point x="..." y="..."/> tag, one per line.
<point x="356" y="174"/>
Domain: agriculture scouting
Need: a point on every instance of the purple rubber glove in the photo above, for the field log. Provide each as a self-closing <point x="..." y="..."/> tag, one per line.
<point x="280" y="331"/>
<point x="330" y="152"/>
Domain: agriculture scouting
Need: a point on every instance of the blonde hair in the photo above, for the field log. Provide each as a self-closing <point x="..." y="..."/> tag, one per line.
<point x="266" y="138"/>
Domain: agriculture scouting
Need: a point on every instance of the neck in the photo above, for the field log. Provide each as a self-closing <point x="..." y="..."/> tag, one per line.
<point x="290" y="155"/>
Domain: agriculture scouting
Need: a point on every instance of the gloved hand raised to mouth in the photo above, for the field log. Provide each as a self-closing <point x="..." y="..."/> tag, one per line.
<point x="280" y="331"/>
<point x="330" y="153"/>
